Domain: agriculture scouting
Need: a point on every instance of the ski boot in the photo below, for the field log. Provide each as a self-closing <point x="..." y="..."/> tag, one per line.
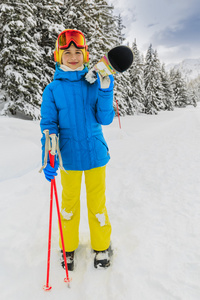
<point x="102" y="258"/>
<point x="70" y="260"/>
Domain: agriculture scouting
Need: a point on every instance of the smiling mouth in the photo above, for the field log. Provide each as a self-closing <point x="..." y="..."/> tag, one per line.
<point x="73" y="63"/>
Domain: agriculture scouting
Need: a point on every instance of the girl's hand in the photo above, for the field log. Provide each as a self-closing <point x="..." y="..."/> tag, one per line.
<point x="50" y="172"/>
<point x="105" y="83"/>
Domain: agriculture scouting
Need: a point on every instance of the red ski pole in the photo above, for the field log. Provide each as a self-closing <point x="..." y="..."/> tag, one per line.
<point x="53" y="187"/>
<point x="47" y="287"/>
<point x="118" y="114"/>
<point x="67" y="279"/>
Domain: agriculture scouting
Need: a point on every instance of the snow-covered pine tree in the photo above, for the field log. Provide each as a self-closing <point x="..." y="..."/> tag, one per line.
<point x="49" y="23"/>
<point x="122" y="91"/>
<point x="158" y="82"/>
<point x="168" y="99"/>
<point x="105" y="34"/>
<point x="149" y="81"/>
<point x="179" y="88"/>
<point x="20" y="61"/>
<point x="120" y="27"/>
<point x="194" y="85"/>
<point x="136" y="78"/>
<point x="152" y="80"/>
<point x="104" y="14"/>
<point x="192" y="97"/>
<point x="120" y="95"/>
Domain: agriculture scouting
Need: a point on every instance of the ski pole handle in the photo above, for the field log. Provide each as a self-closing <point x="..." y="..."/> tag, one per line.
<point x="53" y="143"/>
<point x="51" y="158"/>
<point x="46" y="149"/>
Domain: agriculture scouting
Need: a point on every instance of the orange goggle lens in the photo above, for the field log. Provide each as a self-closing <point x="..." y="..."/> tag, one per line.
<point x="68" y="36"/>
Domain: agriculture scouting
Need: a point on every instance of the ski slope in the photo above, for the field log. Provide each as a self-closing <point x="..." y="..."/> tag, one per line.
<point x="153" y="200"/>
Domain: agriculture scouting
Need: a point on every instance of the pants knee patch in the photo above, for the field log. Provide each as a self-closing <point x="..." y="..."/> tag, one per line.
<point x="102" y="219"/>
<point x="66" y="216"/>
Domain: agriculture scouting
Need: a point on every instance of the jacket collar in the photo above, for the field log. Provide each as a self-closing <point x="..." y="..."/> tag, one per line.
<point x="71" y="76"/>
<point x="66" y="68"/>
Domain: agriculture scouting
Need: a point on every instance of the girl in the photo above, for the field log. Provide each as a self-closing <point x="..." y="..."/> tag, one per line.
<point x="74" y="110"/>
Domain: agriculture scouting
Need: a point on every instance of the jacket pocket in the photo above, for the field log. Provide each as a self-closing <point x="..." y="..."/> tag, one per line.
<point x="101" y="147"/>
<point x="66" y="151"/>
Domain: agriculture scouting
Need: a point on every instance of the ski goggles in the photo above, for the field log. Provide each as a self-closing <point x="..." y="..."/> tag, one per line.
<point x="68" y="36"/>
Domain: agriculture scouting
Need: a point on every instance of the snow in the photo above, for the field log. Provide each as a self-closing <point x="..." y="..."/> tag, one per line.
<point x="102" y="256"/>
<point x="153" y="200"/>
<point x="66" y="215"/>
<point x="102" y="219"/>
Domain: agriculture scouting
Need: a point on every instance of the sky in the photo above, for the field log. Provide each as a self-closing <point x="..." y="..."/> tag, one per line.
<point x="171" y="26"/>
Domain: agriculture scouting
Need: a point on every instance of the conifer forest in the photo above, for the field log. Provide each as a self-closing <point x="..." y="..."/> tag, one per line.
<point x="28" y="31"/>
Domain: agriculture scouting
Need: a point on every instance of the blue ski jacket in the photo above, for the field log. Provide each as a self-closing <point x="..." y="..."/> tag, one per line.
<point x="74" y="110"/>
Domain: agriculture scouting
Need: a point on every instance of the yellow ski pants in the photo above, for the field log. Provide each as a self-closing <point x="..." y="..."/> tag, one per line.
<point x="100" y="227"/>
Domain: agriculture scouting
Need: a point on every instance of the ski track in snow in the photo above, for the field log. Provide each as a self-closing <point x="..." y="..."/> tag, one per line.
<point x="153" y="200"/>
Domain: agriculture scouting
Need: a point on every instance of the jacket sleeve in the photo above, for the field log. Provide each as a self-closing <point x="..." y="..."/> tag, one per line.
<point x="49" y="112"/>
<point x="49" y="116"/>
<point x="104" y="107"/>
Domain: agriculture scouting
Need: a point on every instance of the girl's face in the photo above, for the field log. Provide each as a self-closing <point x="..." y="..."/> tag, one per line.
<point x="72" y="57"/>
